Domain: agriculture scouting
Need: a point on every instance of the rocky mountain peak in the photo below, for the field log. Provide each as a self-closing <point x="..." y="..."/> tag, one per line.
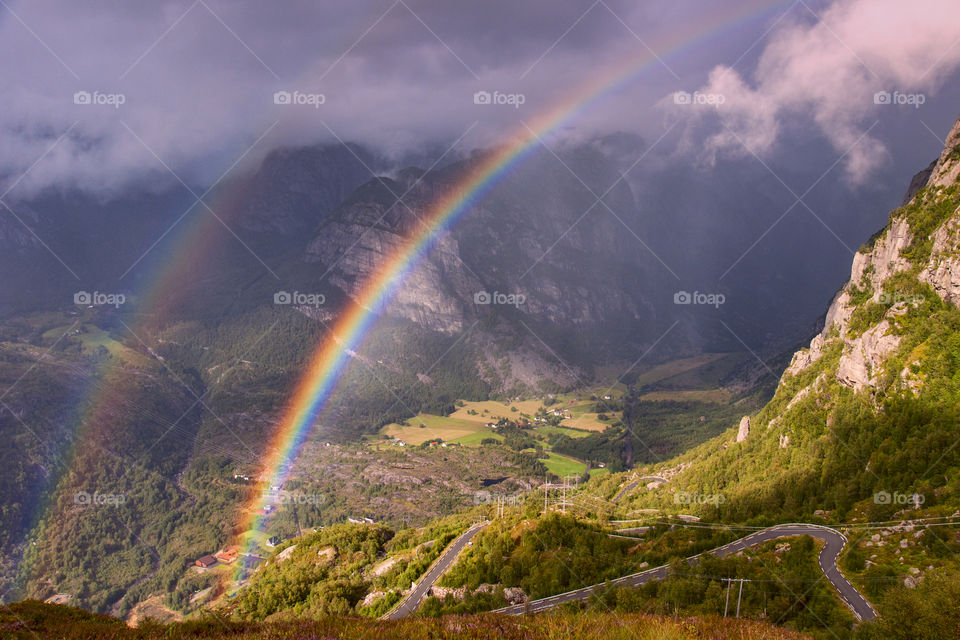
<point x="295" y="188"/>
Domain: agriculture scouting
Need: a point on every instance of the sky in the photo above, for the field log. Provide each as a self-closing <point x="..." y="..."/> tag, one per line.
<point x="188" y="86"/>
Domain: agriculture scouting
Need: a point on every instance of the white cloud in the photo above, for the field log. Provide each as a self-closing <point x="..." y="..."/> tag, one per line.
<point x="828" y="68"/>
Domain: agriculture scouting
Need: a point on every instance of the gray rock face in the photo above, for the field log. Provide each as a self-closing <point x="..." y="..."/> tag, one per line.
<point x="295" y="188"/>
<point x="863" y="356"/>
<point x="947" y="169"/>
<point x="943" y="271"/>
<point x="919" y="181"/>
<point x="537" y="236"/>
<point x="456" y="593"/>
<point x="514" y="595"/>
<point x="744" y="429"/>
<point x="885" y="258"/>
<point x="871" y="269"/>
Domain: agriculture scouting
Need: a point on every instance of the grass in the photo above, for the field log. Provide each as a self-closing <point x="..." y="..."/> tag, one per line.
<point x="495" y="408"/>
<point x="469" y="429"/>
<point x="32" y="620"/>
<point x="563" y="431"/>
<point x="564" y="466"/>
<point x="446" y="428"/>
<point x="586" y="422"/>
<point x="692" y="395"/>
<point x="92" y="338"/>
<point x="475" y="438"/>
<point x="676" y="367"/>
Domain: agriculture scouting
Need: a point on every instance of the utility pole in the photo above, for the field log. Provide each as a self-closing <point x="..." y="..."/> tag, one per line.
<point x="727" y="605"/>
<point x="739" y="597"/>
<point x="730" y="582"/>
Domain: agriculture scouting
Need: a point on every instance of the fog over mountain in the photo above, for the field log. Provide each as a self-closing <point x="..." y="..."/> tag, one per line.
<point x="319" y="315"/>
<point x="196" y="82"/>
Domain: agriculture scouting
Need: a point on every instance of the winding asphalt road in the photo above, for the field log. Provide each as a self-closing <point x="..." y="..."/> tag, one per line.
<point x="834" y="542"/>
<point x="633" y="485"/>
<point x="411" y="602"/>
<point x="626" y="489"/>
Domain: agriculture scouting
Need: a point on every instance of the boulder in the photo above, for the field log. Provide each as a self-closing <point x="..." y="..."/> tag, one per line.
<point x="514" y="595"/>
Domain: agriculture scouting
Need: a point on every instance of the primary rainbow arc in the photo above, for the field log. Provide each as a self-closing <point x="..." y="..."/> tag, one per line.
<point x="329" y="360"/>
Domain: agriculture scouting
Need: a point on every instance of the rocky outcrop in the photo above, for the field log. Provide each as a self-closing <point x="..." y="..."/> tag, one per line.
<point x="863" y="358"/>
<point x="514" y="595"/>
<point x="942" y="272"/>
<point x="744" y="429"/>
<point x="806" y="357"/>
<point x="286" y="553"/>
<point x="946" y="171"/>
<point x="460" y="593"/>
<point x="870" y="269"/>
<point x="883" y="260"/>
<point x="382" y="474"/>
<point x="371" y="598"/>
<point x="373" y="225"/>
<point x="456" y="593"/>
<point x="326" y="556"/>
<point x="919" y="181"/>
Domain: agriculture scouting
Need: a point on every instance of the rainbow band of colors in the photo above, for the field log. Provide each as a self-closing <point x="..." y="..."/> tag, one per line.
<point x="328" y="362"/>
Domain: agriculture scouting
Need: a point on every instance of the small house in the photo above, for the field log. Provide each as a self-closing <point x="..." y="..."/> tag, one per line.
<point x="226" y="556"/>
<point x="206" y="562"/>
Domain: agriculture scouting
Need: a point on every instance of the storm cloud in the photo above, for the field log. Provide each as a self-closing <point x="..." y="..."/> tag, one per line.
<point x="101" y="93"/>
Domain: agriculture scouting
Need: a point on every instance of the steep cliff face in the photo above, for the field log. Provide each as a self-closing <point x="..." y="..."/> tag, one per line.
<point x="540" y="236"/>
<point x="920" y="246"/>
<point x="372" y="225"/>
<point x="295" y="188"/>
